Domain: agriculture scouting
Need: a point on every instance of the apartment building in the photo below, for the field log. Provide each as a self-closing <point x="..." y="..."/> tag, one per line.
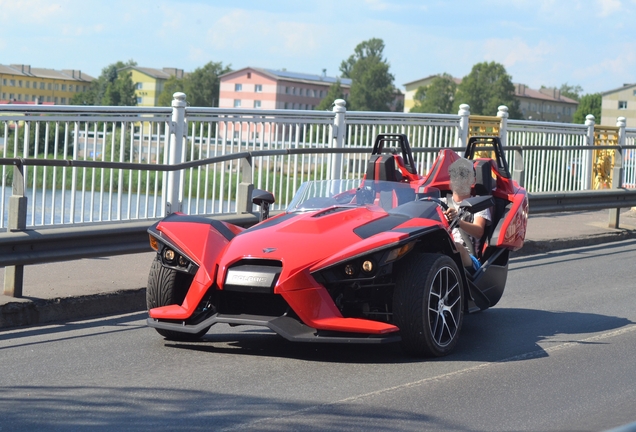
<point x="620" y="102"/>
<point x="545" y="104"/>
<point x="24" y="84"/>
<point x="149" y="82"/>
<point x="275" y="89"/>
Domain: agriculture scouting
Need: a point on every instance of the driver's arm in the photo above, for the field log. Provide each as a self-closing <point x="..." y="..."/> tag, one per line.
<point x="474" y="229"/>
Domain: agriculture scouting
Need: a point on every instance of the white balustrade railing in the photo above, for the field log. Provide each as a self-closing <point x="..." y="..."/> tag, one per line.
<point x="556" y="156"/>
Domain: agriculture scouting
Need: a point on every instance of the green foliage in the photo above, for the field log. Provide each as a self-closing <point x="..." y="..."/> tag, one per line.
<point x="200" y="86"/>
<point x="113" y="88"/>
<point x="335" y="92"/>
<point x="372" y="86"/>
<point x="487" y="86"/>
<point x="571" y="91"/>
<point x="589" y="104"/>
<point x="437" y="97"/>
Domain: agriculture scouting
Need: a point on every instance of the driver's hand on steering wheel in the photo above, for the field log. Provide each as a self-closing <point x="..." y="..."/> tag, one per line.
<point x="450" y="214"/>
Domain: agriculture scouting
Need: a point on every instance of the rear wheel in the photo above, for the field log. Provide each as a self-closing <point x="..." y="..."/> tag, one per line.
<point x="166" y="287"/>
<point x="428" y="304"/>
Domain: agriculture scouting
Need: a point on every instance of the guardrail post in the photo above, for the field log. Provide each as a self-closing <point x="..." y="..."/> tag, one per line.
<point x="462" y="136"/>
<point x="246" y="186"/>
<point x="14" y="275"/>
<point x="502" y="113"/>
<point x="338" y="133"/>
<point x="617" y="172"/>
<point x="589" y="156"/>
<point x="173" y="187"/>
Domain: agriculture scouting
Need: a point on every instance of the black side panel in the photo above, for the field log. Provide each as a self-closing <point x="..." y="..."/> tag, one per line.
<point x="417" y="209"/>
<point x="218" y="225"/>
<point x="271" y="222"/>
<point x="380" y="225"/>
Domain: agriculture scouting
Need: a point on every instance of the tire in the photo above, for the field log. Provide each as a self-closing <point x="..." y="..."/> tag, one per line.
<point x="166" y="287"/>
<point x="428" y="304"/>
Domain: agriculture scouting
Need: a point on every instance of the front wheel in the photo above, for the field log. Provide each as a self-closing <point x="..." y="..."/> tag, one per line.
<point x="428" y="304"/>
<point x="165" y="287"/>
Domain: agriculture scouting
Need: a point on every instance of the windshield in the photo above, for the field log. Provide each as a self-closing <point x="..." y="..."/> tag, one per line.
<point x="316" y="195"/>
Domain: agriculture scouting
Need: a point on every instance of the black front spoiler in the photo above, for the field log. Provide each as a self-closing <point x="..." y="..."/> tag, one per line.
<point x="287" y="327"/>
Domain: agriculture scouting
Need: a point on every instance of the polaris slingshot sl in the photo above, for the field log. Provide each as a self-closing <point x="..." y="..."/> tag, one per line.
<point x="366" y="261"/>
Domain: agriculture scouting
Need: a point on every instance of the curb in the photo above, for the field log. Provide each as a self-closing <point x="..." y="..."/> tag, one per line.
<point x="532" y="247"/>
<point x="21" y="312"/>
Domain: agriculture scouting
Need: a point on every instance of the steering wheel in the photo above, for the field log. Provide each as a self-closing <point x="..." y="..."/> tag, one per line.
<point x="438" y="201"/>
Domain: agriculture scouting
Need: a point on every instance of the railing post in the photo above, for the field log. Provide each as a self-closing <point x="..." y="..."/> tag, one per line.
<point x="462" y="137"/>
<point x="589" y="156"/>
<point x="14" y="275"/>
<point x="246" y="186"/>
<point x="173" y="186"/>
<point x="502" y="113"/>
<point x="338" y="134"/>
<point x="617" y="172"/>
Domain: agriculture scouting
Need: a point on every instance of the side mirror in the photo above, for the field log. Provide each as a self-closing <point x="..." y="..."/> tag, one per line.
<point x="477" y="204"/>
<point x="263" y="199"/>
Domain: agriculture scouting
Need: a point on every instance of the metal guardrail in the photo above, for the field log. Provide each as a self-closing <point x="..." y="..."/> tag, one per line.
<point x="19" y="247"/>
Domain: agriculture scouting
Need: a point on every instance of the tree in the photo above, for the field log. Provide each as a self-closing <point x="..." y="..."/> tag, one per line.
<point x="114" y="87"/>
<point x="335" y="92"/>
<point x="571" y="91"/>
<point x="437" y="97"/>
<point x="201" y="86"/>
<point x="485" y="88"/>
<point x="170" y="87"/>
<point x="589" y="104"/>
<point x="372" y="86"/>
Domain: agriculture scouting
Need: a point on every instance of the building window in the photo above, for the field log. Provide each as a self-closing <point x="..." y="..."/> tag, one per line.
<point x="237" y="103"/>
<point x="287" y="90"/>
<point x="12" y="83"/>
<point x="258" y="88"/>
<point x="28" y="84"/>
<point x="257" y="104"/>
<point x="49" y="86"/>
<point x="139" y="86"/>
<point x="41" y="86"/>
<point x="70" y="87"/>
<point x="63" y="101"/>
<point x="238" y="88"/>
<point x="139" y="101"/>
<point x="4" y="81"/>
<point x="19" y="83"/>
<point x="249" y="75"/>
<point x="622" y="104"/>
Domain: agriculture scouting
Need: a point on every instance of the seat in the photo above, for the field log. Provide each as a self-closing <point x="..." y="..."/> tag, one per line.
<point x="381" y="167"/>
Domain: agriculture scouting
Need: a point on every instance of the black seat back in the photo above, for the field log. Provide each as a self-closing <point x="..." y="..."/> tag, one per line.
<point x="382" y="167"/>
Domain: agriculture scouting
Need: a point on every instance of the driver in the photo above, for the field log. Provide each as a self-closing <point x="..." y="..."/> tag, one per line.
<point x="471" y="226"/>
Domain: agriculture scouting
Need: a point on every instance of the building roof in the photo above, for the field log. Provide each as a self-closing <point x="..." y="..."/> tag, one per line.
<point x="521" y="90"/>
<point x="457" y="80"/>
<point x="164" y="73"/>
<point x="624" y="87"/>
<point x="296" y="76"/>
<point x="28" y="71"/>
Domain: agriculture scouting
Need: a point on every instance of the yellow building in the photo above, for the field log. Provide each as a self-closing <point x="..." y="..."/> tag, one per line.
<point x="620" y="102"/>
<point x="149" y="82"/>
<point x="24" y="84"/>
<point x="412" y="86"/>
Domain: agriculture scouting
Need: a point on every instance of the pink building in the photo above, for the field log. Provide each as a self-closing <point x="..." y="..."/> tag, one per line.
<point x="271" y="89"/>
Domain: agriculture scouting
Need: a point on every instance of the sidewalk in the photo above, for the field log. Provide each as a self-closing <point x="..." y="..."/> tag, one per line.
<point x="100" y="286"/>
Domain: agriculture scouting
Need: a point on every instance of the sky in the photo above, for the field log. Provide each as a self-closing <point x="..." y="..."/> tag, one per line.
<point x="589" y="43"/>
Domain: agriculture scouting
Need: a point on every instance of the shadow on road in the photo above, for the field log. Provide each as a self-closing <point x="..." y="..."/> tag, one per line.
<point x="502" y="334"/>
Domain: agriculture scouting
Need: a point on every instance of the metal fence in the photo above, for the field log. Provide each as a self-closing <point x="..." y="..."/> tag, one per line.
<point x="97" y="188"/>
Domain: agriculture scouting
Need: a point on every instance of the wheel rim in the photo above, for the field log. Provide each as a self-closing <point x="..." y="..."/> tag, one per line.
<point x="444" y="306"/>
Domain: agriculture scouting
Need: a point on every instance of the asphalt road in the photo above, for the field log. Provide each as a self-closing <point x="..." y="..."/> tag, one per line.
<point x="557" y="353"/>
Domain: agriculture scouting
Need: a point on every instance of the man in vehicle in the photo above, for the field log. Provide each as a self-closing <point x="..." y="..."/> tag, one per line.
<point x="470" y="229"/>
